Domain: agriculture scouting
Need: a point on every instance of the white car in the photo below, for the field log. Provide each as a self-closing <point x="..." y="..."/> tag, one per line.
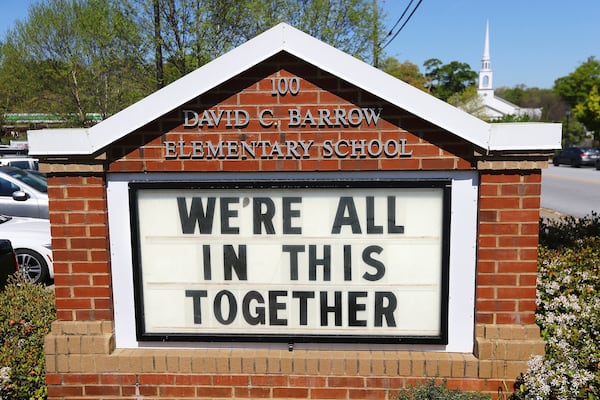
<point x="22" y="193"/>
<point x="30" y="238"/>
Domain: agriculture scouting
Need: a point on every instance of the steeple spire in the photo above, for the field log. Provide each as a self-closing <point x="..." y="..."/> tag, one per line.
<point x="485" y="73"/>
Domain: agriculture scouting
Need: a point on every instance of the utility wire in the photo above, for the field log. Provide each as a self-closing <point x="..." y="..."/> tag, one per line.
<point x="403" y="25"/>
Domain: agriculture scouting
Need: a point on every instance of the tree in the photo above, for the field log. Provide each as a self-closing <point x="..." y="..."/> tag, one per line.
<point x="406" y="71"/>
<point x="74" y="57"/>
<point x="469" y="101"/>
<point x="588" y="112"/>
<point x="189" y="33"/>
<point x="576" y="86"/>
<point x="444" y="80"/>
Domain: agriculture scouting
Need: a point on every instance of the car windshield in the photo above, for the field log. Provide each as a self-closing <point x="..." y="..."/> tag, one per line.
<point x="35" y="181"/>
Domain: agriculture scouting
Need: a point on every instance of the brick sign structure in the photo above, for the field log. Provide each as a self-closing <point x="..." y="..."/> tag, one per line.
<point x="289" y="222"/>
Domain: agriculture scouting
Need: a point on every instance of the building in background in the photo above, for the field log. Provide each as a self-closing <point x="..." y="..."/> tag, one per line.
<point x="495" y="107"/>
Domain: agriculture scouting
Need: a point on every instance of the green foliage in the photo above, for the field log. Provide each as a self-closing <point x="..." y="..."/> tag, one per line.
<point x="568" y="231"/>
<point x="553" y="107"/>
<point x="568" y="312"/>
<point x="444" y="80"/>
<point x="432" y="390"/>
<point x="576" y="86"/>
<point x="588" y="112"/>
<point x="26" y="312"/>
<point x="406" y="71"/>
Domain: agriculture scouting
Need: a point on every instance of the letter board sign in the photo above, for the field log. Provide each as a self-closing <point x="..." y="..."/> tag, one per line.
<point x="291" y="262"/>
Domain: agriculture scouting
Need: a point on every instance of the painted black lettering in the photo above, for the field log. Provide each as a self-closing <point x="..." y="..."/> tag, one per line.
<point x="204" y="219"/>
<point x="346" y="215"/>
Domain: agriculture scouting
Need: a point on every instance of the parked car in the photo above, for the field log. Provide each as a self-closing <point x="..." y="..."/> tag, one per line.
<point x="8" y="261"/>
<point x="598" y="164"/>
<point x="20" y="162"/>
<point x="23" y="194"/>
<point x="30" y="238"/>
<point x="577" y="156"/>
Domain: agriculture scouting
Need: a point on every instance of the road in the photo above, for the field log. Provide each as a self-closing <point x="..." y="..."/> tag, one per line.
<point x="571" y="191"/>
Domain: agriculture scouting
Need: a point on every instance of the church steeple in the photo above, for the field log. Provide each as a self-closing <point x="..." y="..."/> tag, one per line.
<point x="485" y="73"/>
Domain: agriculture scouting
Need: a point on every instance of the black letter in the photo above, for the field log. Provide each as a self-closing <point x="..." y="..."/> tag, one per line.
<point x="196" y="295"/>
<point x="274" y="306"/>
<point x="336" y="309"/>
<point x="392" y="227"/>
<point x="387" y="311"/>
<point x="293" y="250"/>
<point x="226" y="214"/>
<point x="303" y="299"/>
<point x="288" y="214"/>
<point x="232" y="307"/>
<point x="265" y="218"/>
<point x="354" y="307"/>
<point x="371" y="227"/>
<point x="351" y="219"/>
<point x="313" y="261"/>
<point x="378" y="265"/>
<point x="206" y="259"/>
<point x="259" y="318"/>
<point x="231" y="261"/>
<point x="188" y="221"/>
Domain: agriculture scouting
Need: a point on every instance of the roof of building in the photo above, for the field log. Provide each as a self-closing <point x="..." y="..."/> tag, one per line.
<point x="285" y="38"/>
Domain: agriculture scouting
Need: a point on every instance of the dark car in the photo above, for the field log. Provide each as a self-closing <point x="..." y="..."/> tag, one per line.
<point x="8" y="261"/>
<point x="576" y="156"/>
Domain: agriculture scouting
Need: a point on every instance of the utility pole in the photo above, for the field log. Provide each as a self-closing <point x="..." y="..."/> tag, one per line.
<point x="375" y="34"/>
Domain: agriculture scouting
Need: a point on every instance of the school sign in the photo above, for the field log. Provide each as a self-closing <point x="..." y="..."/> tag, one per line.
<point x="289" y="222"/>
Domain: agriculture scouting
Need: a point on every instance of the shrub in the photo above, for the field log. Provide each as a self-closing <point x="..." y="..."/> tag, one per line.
<point x="26" y="312"/>
<point x="568" y="312"/>
<point x="432" y="390"/>
<point x="567" y="231"/>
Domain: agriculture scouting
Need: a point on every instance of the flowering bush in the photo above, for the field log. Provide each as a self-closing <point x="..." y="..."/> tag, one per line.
<point x="568" y="313"/>
<point x="26" y="312"/>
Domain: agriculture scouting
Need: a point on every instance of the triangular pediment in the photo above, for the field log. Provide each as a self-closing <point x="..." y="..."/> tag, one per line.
<point x="285" y="39"/>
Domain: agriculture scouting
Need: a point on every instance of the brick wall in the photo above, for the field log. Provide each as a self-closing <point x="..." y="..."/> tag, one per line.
<point x="508" y="238"/>
<point x="82" y="361"/>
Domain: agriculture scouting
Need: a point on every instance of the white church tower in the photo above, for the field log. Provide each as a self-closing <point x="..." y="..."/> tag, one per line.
<point x="486" y="87"/>
<point x="495" y="107"/>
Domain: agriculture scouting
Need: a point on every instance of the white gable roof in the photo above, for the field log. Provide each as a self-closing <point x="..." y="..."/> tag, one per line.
<point x="283" y="37"/>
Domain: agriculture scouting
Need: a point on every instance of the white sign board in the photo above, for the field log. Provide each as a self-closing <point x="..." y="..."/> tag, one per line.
<point x="294" y="263"/>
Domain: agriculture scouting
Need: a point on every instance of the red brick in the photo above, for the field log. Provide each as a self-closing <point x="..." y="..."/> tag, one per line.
<point x="295" y="393"/>
<point x="326" y="393"/>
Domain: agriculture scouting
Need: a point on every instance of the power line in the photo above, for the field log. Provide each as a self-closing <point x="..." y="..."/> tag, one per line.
<point x="403" y="25"/>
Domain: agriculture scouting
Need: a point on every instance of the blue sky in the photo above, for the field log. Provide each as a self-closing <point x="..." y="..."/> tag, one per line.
<point x="532" y="42"/>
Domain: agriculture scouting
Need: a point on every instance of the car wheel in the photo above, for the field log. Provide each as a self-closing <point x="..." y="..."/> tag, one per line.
<point x="598" y="165"/>
<point x="555" y="162"/>
<point x="576" y="163"/>
<point x="32" y="265"/>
